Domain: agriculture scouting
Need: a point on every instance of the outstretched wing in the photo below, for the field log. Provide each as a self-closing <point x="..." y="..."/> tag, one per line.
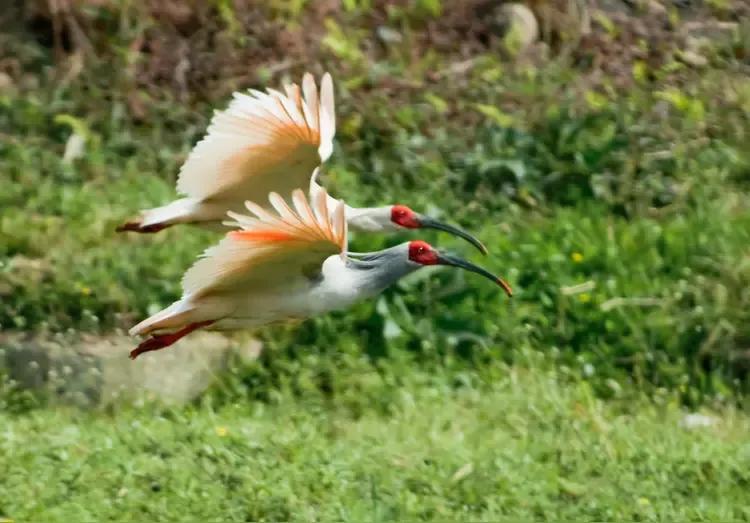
<point x="262" y="143"/>
<point x="270" y="247"/>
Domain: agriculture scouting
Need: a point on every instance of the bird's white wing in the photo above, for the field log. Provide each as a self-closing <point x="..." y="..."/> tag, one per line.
<point x="271" y="247"/>
<point x="262" y="143"/>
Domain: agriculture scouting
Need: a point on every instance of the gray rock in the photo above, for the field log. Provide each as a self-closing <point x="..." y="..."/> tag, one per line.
<point x="388" y="35"/>
<point x="90" y="370"/>
<point x="6" y="82"/>
<point x="711" y="29"/>
<point x="693" y="58"/>
<point x="655" y="7"/>
<point x="521" y="26"/>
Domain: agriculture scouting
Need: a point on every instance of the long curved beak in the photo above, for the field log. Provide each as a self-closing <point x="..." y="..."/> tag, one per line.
<point x="430" y="223"/>
<point x="446" y="259"/>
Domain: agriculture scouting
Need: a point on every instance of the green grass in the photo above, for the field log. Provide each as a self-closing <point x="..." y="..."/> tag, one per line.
<point x="530" y="446"/>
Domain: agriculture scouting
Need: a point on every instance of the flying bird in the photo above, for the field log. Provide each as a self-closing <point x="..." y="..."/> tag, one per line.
<point x="287" y="263"/>
<point x="269" y="142"/>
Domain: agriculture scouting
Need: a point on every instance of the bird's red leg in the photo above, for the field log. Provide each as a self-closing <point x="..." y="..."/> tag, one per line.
<point x="161" y="341"/>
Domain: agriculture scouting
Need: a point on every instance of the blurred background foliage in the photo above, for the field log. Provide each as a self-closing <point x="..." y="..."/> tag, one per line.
<point x="601" y="155"/>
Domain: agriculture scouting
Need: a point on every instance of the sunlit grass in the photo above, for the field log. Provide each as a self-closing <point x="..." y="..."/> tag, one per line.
<point x="532" y="445"/>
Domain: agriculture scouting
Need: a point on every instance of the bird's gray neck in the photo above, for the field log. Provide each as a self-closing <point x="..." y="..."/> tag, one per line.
<point x="370" y="219"/>
<point x="381" y="269"/>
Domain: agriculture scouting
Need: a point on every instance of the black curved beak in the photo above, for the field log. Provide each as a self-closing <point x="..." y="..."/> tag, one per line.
<point x="446" y="259"/>
<point x="429" y="223"/>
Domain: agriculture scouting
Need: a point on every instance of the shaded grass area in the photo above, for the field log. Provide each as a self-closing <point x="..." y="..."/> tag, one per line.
<point x="530" y="445"/>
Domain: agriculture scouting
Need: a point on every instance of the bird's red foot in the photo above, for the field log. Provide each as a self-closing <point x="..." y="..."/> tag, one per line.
<point x="137" y="227"/>
<point x="161" y="341"/>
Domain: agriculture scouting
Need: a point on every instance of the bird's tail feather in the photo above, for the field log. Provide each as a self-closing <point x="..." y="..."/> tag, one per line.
<point x="183" y="210"/>
<point x="178" y="320"/>
<point x="162" y="341"/>
<point x="174" y="317"/>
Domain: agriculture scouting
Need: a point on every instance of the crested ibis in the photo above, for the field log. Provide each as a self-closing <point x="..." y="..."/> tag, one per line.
<point x="269" y="142"/>
<point x="287" y="263"/>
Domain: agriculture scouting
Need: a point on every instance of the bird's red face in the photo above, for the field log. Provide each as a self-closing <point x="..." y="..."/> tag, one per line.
<point x="405" y="217"/>
<point x="422" y="253"/>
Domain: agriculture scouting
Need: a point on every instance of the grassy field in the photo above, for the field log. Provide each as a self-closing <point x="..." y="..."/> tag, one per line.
<point x="529" y="446"/>
<point x="607" y="173"/>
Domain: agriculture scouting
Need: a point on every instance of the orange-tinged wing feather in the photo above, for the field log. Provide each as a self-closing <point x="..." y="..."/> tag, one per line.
<point x="271" y="248"/>
<point x="262" y="236"/>
<point x="262" y="142"/>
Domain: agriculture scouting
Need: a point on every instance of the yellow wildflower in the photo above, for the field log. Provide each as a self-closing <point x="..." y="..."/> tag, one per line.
<point x="221" y="431"/>
<point x="577" y="257"/>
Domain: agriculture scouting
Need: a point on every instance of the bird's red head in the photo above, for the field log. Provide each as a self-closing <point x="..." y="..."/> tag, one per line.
<point x="405" y="217"/>
<point x="422" y="253"/>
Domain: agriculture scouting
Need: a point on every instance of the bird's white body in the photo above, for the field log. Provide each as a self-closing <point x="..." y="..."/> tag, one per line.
<point x="340" y="283"/>
<point x="337" y="287"/>
<point x="289" y="264"/>
<point x="212" y="213"/>
<point x="284" y="265"/>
